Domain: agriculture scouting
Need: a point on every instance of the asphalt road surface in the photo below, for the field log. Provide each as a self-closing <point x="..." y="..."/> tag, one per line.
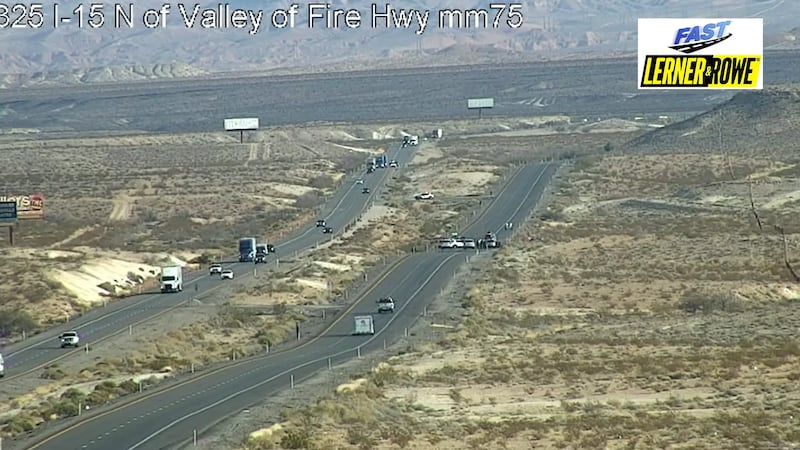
<point x="347" y="204"/>
<point x="169" y="417"/>
<point x="577" y="89"/>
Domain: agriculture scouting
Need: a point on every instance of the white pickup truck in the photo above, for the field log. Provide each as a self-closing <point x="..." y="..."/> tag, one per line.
<point x="69" y="339"/>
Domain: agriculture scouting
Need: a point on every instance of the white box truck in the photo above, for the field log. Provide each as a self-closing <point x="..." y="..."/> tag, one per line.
<point x="364" y="325"/>
<point x="172" y="279"/>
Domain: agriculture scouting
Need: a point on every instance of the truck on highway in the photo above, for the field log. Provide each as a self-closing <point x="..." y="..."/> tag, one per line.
<point x="247" y="249"/>
<point x="413" y="140"/>
<point x="171" y="279"/>
<point x="381" y="161"/>
<point x="364" y="325"/>
<point x="262" y="251"/>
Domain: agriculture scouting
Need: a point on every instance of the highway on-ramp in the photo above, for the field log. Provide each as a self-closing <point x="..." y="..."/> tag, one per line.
<point x="168" y="417"/>
<point x="345" y="206"/>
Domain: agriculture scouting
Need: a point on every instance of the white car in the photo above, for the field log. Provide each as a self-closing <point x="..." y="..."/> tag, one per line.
<point x="359" y="181"/>
<point x="450" y="243"/>
<point x="393" y="164"/>
<point x="214" y="269"/>
<point x="469" y="243"/>
<point x="69" y="339"/>
<point x="424" y="196"/>
<point x="226" y="274"/>
<point x="385" y="304"/>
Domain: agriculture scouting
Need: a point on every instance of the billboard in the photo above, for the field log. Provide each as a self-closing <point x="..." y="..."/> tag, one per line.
<point x="474" y="103"/>
<point x="241" y="124"/>
<point x="28" y="206"/>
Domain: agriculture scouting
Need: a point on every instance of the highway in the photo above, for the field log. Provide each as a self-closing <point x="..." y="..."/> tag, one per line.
<point x="575" y="88"/>
<point x="168" y="417"/>
<point x="43" y="349"/>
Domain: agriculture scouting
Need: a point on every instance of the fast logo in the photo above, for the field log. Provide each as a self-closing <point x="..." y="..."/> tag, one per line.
<point x="692" y="39"/>
<point x="680" y="53"/>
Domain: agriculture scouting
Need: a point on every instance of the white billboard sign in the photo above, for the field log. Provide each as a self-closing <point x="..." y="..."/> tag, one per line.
<point x="241" y="124"/>
<point x="475" y="103"/>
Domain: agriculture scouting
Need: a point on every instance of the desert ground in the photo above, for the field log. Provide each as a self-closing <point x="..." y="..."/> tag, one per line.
<point x="260" y="313"/>
<point x="643" y="306"/>
<point x="119" y="207"/>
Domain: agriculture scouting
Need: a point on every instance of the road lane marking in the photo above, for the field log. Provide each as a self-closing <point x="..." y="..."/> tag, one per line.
<point x="151" y="299"/>
<point x="300" y="366"/>
<point x="394" y="317"/>
<point x="349" y="309"/>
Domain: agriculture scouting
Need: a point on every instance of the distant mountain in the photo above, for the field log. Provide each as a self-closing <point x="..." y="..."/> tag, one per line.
<point x="550" y="29"/>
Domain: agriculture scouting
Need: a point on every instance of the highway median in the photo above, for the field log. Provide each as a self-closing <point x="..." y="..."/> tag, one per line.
<point x="366" y="283"/>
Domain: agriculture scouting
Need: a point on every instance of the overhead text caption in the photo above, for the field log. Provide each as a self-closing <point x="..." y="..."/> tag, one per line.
<point x="222" y="16"/>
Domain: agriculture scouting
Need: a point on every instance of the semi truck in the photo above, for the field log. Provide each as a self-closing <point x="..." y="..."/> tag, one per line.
<point x="247" y="249"/>
<point x="171" y="279"/>
<point x="381" y="161"/>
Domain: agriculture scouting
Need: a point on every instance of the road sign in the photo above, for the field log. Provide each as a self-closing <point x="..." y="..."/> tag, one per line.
<point x="8" y="212"/>
<point x="480" y="103"/>
<point x="241" y="124"/>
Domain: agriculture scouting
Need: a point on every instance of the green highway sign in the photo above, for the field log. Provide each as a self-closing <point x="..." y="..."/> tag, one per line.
<point x="8" y="212"/>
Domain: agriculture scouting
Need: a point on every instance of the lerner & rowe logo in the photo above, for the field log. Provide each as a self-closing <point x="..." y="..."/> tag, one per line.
<point x="701" y="53"/>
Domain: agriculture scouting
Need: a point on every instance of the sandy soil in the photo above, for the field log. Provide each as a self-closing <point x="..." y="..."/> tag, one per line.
<point x="393" y="222"/>
<point x="121" y="208"/>
<point x="643" y="307"/>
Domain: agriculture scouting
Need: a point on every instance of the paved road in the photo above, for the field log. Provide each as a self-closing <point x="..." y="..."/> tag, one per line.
<point x="576" y="89"/>
<point x="166" y="418"/>
<point x="347" y="204"/>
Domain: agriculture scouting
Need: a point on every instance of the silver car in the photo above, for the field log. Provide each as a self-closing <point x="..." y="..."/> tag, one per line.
<point x="386" y="304"/>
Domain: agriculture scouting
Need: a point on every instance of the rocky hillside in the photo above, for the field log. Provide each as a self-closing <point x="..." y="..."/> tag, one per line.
<point x="765" y="121"/>
<point x="551" y="29"/>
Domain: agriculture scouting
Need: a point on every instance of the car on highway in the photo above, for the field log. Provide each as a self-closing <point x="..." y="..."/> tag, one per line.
<point x="393" y="163"/>
<point x="2" y="367"/>
<point x="321" y="223"/>
<point x="468" y="243"/>
<point x="365" y="190"/>
<point x="215" y="269"/>
<point x="327" y="230"/>
<point x="450" y="243"/>
<point x="370" y="169"/>
<point x="424" y="196"/>
<point x="69" y="339"/>
<point x="385" y="304"/>
<point x="271" y="248"/>
<point x="226" y="274"/>
<point x="359" y="181"/>
<point x="489" y="243"/>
